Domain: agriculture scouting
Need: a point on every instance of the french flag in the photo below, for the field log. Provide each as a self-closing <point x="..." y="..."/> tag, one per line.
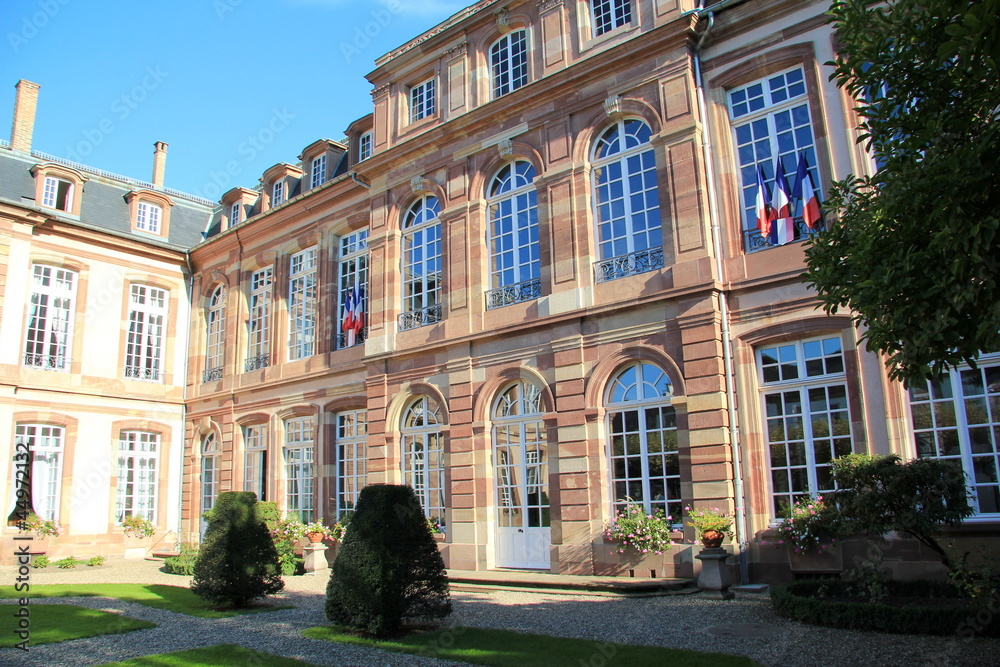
<point x="806" y="191"/>
<point x="354" y="315"/>
<point x="783" y="230"/>
<point x="763" y="206"/>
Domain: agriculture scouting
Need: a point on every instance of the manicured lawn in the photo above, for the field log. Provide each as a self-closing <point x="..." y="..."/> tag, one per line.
<point x="51" y="623"/>
<point x="171" y="598"/>
<point x="504" y="648"/>
<point x="223" y="655"/>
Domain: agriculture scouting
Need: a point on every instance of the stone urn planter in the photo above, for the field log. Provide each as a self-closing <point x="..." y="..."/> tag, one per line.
<point x="315" y="538"/>
<point x="712" y="539"/>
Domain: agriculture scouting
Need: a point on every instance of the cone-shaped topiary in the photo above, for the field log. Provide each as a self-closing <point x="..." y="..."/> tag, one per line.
<point x="388" y="567"/>
<point x="237" y="562"/>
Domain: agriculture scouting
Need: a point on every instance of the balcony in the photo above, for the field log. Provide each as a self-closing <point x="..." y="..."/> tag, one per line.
<point x="753" y="241"/>
<point x="628" y="265"/>
<point x="358" y="339"/>
<point x="257" y="363"/>
<point x="47" y="362"/>
<point x="211" y="374"/>
<point x="143" y="374"/>
<point x="419" y="318"/>
<point x="511" y="294"/>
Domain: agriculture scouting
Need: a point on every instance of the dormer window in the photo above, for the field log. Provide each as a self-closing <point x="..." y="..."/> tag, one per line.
<point x="148" y="217"/>
<point x="278" y="194"/>
<point x="58" y="194"/>
<point x="423" y="100"/>
<point x="365" y="146"/>
<point x="234" y="214"/>
<point x="318" y="171"/>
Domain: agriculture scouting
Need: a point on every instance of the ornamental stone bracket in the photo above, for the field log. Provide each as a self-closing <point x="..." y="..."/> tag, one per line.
<point x="420" y="186"/>
<point x="506" y="150"/>
<point x="457" y="51"/>
<point x="381" y="91"/>
<point x="502" y="17"/>
<point x="546" y="5"/>
<point x="613" y="106"/>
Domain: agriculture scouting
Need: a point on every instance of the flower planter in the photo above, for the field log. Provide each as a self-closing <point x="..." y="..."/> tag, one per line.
<point x="816" y="563"/>
<point x="712" y="539"/>
<point x="315" y="538"/>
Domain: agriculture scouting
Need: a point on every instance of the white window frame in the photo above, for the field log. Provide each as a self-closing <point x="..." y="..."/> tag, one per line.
<point x="353" y="270"/>
<point x="278" y="194"/>
<point x="302" y="299"/>
<point x="215" y="353"/>
<point x="517" y="423"/>
<point x="366" y="146"/>
<point x="318" y="171"/>
<point x="609" y="15"/>
<point x="643" y="389"/>
<point x="945" y="428"/>
<point x="235" y="214"/>
<point x="148" y="217"/>
<point x="211" y="454"/>
<point x="300" y="459"/>
<point x="47" y="444"/>
<point x="422" y="455"/>
<point x="422" y="261"/>
<point x="138" y="467"/>
<point x="352" y="458"/>
<point x="48" y="336"/>
<point x="515" y="263"/>
<point x="255" y="445"/>
<point x="509" y="63"/>
<point x="423" y="100"/>
<point x="56" y="191"/>
<point x="803" y="367"/>
<point x="259" y="320"/>
<point x="148" y="309"/>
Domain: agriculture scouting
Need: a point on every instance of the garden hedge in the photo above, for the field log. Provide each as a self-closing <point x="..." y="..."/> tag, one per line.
<point x="809" y="602"/>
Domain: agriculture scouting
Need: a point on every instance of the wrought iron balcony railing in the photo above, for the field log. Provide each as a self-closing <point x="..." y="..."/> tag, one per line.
<point x="509" y="294"/>
<point x="211" y="374"/>
<point x="359" y="339"/>
<point x="256" y="363"/>
<point x="143" y="374"/>
<point x="753" y="241"/>
<point x="47" y="362"/>
<point x="419" y="318"/>
<point x="628" y="265"/>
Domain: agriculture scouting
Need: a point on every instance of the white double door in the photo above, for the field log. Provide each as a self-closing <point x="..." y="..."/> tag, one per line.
<point x="521" y="472"/>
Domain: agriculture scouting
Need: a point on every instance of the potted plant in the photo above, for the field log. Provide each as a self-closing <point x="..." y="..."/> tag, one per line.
<point x="137" y="525"/>
<point x="712" y="525"/>
<point x="809" y="529"/>
<point x="646" y="533"/>
<point x="316" y="531"/>
<point x="339" y="529"/>
<point x="39" y="526"/>
<point x="435" y="526"/>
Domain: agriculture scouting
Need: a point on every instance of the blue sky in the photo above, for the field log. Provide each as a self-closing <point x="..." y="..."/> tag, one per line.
<point x="234" y="86"/>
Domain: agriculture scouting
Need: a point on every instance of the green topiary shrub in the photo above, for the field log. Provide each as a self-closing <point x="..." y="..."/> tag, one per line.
<point x="388" y="567"/>
<point x="237" y="562"/>
<point x="182" y="563"/>
<point x="39" y="561"/>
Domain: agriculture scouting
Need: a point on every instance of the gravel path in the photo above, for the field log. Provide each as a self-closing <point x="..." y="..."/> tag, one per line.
<point x="745" y="626"/>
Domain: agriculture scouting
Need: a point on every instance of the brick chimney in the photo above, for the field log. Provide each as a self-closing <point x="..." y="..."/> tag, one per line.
<point x="25" y="104"/>
<point x="159" y="163"/>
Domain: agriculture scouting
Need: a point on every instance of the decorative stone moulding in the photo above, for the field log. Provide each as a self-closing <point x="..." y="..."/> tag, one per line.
<point x="381" y="91"/>
<point x="506" y="149"/>
<point x="545" y="5"/>
<point x="457" y="51"/>
<point x="420" y="185"/>
<point x="502" y="16"/>
<point x="613" y="106"/>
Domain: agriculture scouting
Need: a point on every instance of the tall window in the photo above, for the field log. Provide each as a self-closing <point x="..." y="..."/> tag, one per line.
<point x="423" y="455"/>
<point x="353" y="292"/>
<point x="514" y="251"/>
<point x="300" y="450"/>
<point x="138" y="452"/>
<point x="422" y="264"/>
<point x="957" y="418"/>
<point x="423" y="100"/>
<point x="318" y="171"/>
<point x="46" y="446"/>
<point x="47" y="341"/>
<point x="146" y="321"/>
<point x="365" y="146"/>
<point x="611" y="14"/>
<point x="509" y="60"/>
<point x="210" y="454"/>
<point x="629" y="231"/>
<point x="255" y="460"/>
<point x="302" y="305"/>
<point x="352" y="457"/>
<point x="645" y="464"/>
<point x="57" y="193"/>
<point x="259" y="322"/>
<point x="771" y="121"/>
<point x="216" y="335"/>
<point x="806" y="413"/>
<point x="147" y="217"/>
<point x="522" y="465"/>
<point x="278" y="194"/>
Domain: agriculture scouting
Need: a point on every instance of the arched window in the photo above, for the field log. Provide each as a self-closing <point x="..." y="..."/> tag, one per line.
<point x="422" y="264"/>
<point x="642" y="425"/>
<point x="509" y="62"/>
<point x="210" y="451"/>
<point x="423" y="455"/>
<point x="514" y="252"/>
<point x="520" y="449"/>
<point x="216" y="335"/>
<point x="629" y="230"/>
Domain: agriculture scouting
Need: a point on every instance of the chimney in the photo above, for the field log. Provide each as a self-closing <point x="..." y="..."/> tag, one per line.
<point x="159" y="163"/>
<point x="25" y="104"/>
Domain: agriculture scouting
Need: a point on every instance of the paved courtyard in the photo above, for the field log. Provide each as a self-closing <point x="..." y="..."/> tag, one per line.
<point x="745" y="626"/>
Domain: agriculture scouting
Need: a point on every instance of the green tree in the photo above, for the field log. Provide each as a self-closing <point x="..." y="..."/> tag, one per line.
<point x="915" y="252"/>
<point x="878" y="495"/>
<point x="388" y="568"/>
<point x="237" y="562"/>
